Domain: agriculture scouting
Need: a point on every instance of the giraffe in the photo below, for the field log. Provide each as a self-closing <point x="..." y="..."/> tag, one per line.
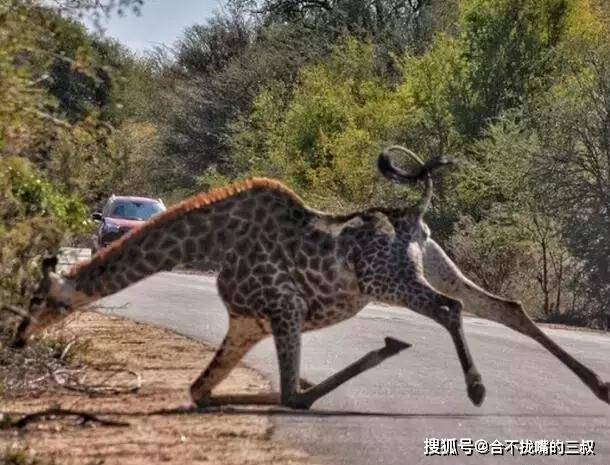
<point x="286" y="268"/>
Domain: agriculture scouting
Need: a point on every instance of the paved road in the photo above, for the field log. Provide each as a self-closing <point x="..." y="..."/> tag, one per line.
<point x="385" y="415"/>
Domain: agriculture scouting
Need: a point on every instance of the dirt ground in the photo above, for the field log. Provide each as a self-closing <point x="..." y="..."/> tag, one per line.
<point x="167" y="364"/>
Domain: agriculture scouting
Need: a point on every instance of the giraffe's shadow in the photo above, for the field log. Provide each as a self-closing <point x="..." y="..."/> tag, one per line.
<point x="272" y="411"/>
<point x="280" y="411"/>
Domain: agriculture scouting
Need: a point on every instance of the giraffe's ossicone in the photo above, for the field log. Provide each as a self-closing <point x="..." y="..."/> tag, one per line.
<point x="286" y="268"/>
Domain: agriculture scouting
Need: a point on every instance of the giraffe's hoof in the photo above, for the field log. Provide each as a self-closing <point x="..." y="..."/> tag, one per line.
<point x="197" y="396"/>
<point x="200" y="401"/>
<point x="393" y="346"/>
<point x="203" y="403"/>
<point x="299" y="404"/>
<point x="476" y="392"/>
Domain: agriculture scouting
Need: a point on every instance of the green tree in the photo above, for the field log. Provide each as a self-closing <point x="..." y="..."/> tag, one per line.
<point x="509" y="47"/>
<point x="574" y="168"/>
<point x="204" y="101"/>
<point x="56" y="127"/>
<point x="324" y="137"/>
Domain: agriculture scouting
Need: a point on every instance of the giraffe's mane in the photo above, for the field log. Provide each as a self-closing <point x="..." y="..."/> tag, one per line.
<point x="185" y="206"/>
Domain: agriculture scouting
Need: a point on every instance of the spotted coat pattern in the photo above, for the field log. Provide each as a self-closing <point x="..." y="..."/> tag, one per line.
<point x="286" y="268"/>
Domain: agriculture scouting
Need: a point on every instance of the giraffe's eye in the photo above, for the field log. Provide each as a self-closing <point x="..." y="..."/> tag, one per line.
<point x="36" y="301"/>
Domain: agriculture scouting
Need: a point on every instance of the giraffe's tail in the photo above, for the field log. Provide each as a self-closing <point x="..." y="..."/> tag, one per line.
<point x="396" y="174"/>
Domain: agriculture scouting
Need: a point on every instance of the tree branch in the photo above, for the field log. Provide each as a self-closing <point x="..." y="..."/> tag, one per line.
<point x="59" y="412"/>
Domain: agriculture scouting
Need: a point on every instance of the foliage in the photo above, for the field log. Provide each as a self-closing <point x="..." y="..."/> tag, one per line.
<point x="497" y="167"/>
<point x="310" y="92"/>
<point x="205" y="49"/>
<point x="324" y="137"/>
<point x="393" y="24"/>
<point x="495" y="253"/>
<point x="220" y="67"/>
<point x="34" y="216"/>
<point x="56" y="134"/>
<point x="14" y="455"/>
<point x="574" y="167"/>
<point x="493" y="94"/>
<point x="214" y="96"/>
<point x="508" y="46"/>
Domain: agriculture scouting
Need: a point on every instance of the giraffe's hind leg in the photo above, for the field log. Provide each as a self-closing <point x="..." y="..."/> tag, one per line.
<point x="444" y="275"/>
<point x="420" y="297"/>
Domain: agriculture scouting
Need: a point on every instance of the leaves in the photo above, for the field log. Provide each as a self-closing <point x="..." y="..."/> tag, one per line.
<point x="56" y="129"/>
<point x="516" y="91"/>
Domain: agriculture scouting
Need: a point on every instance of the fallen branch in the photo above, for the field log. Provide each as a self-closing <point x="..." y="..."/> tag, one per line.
<point x="59" y="412"/>
<point x="96" y="389"/>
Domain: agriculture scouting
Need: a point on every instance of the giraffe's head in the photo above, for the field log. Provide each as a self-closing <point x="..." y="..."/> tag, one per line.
<point x="51" y="302"/>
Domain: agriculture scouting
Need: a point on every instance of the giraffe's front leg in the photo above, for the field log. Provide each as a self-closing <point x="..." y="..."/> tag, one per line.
<point x="422" y="298"/>
<point x="242" y="335"/>
<point x="286" y="327"/>
<point x="452" y="320"/>
<point x="288" y="344"/>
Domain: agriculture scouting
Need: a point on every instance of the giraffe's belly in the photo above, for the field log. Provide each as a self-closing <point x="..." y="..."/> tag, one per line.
<point x="332" y="294"/>
<point x="321" y="316"/>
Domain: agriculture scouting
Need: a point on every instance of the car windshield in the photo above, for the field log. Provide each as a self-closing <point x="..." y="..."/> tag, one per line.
<point x="135" y="210"/>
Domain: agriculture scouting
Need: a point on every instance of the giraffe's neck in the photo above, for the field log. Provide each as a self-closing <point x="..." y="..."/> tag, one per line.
<point x="135" y="257"/>
<point x="102" y="277"/>
<point x="197" y="230"/>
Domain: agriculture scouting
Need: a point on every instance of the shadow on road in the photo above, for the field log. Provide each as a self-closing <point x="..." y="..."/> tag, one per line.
<point x="279" y="411"/>
<point x="21" y="420"/>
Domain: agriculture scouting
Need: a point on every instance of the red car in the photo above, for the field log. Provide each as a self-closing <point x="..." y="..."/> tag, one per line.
<point x="122" y="213"/>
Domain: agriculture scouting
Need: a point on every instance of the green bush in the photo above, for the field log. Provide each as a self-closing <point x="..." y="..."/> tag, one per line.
<point x="34" y="218"/>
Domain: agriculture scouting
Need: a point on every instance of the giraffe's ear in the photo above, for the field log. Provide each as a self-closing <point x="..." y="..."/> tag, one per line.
<point x="48" y="265"/>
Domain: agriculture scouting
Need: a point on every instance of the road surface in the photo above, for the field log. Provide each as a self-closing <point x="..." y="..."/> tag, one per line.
<point x="385" y="415"/>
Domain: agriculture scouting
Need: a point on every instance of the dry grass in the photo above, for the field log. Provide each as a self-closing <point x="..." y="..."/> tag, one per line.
<point x="31" y="371"/>
<point x="15" y="455"/>
<point x="163" y="426"/>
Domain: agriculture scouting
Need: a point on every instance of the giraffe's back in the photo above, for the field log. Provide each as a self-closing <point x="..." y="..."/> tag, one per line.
<point x="267" y="242"/>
